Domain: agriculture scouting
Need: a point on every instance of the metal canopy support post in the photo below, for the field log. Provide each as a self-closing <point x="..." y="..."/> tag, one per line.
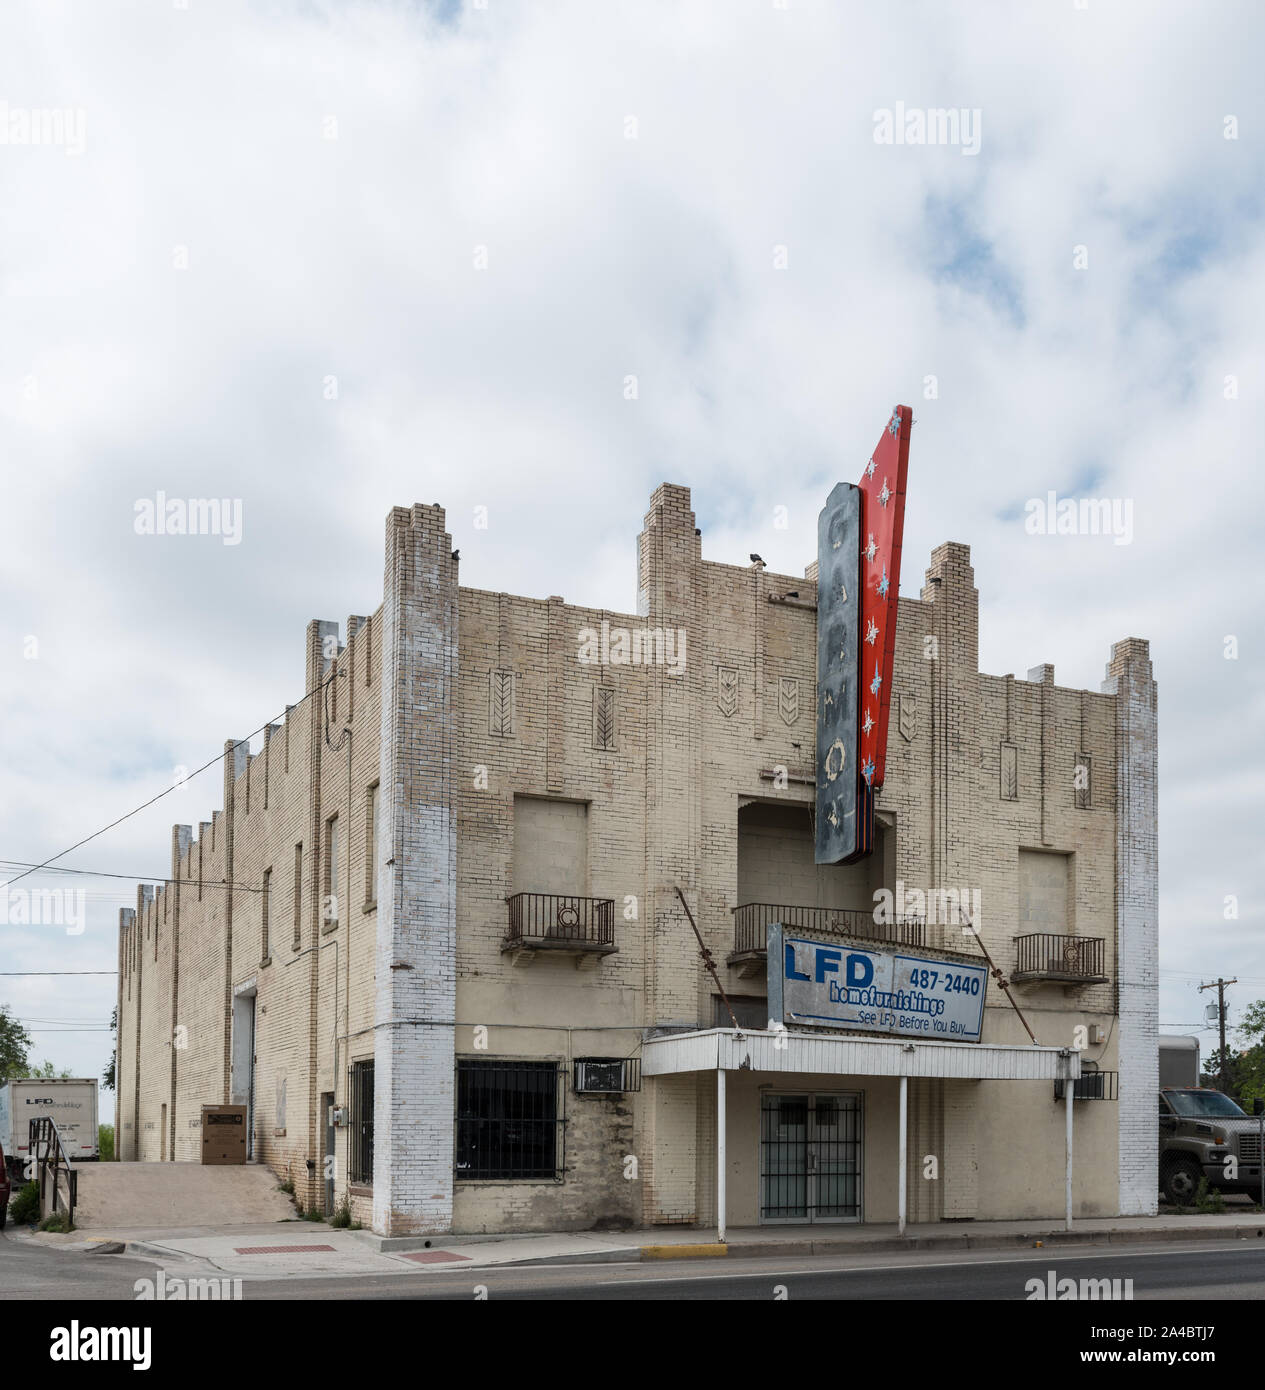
<point x="1260" y="1154"/>
<point x="720" y="1155"/>
<point x="1069" y="1092"/>
<point x="903" y="1159"/>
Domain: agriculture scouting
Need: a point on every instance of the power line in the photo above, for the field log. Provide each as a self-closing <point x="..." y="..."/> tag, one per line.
<point x="31" y="1018"/>
<point x="57" y="972"/>
<point x="166" y="792"/>
<point x="132" y="878"/>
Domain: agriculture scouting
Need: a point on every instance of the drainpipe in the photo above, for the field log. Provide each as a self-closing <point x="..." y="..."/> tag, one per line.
<point x="904" y="1161"/>
<point x="720" y="1155"/>
<point x="1069" y="1093"/>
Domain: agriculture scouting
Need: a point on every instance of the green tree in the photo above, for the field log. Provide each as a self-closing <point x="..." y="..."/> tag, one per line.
<point x="46" y="1071"/>
<point x="108" y="1075"/>
<point x="1250" y="1077"/>
<point x="14" y="1043"/>
<point x="1210" y="1072"/>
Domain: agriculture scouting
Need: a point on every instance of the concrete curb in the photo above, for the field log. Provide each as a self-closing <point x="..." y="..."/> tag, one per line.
<point x="891" y="1245"/>
<point x="596" y="1257"/>
<point x="854" y="1246"/>
<point x="683" y="1252"/>
<point x="165" y="1256"/>
<point x="400" y="1245"/>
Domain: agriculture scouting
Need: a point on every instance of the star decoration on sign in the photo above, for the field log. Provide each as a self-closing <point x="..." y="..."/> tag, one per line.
<point x="883" y="585"/>
<point x="869" y="471"/>
<point x="884" y="495"/>
<point x="867" y="723"/>
<point x="877" y="682"/>
<point x="871" y="633"/>
<point x="867" y="771"/>
<point x="893" y="426"/>
<point x="870" y="550"/>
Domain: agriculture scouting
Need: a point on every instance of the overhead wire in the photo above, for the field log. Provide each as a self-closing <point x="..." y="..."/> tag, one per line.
<point x="166" y="792"/>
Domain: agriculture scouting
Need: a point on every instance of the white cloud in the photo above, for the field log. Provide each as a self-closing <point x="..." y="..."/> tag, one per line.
<point x="504" y="128"/>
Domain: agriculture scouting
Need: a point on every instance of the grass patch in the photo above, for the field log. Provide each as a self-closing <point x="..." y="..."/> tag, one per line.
<point x="1209" y="1201"/>
<point x="25" y="1208"/>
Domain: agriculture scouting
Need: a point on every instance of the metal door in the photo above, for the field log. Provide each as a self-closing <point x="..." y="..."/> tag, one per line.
<point x="810" y="1158"/>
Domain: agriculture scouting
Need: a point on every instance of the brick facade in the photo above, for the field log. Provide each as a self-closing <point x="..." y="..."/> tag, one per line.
<point x="460" y="705"/>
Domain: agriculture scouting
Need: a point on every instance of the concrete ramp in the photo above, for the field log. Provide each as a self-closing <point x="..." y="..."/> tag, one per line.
<point x="155" y="1196"/>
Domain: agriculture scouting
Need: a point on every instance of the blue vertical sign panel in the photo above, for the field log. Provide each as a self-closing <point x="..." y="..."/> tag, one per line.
<point x="838" y="633"/>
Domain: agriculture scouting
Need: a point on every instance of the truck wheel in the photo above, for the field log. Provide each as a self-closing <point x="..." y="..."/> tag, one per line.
<point x="1179" y="1181"/>
<point x="4" y="1214"/>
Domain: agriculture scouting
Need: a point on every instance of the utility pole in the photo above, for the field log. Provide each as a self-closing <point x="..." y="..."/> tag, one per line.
<point x="1220" y="987"/>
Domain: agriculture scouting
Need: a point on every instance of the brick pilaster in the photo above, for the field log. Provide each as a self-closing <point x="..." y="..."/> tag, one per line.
<point x="415" y="958"/>
<point x="1130" y="680"/>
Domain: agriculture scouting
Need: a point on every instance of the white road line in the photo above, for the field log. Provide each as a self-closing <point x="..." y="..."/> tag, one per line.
<point x="1018" y="1258"/>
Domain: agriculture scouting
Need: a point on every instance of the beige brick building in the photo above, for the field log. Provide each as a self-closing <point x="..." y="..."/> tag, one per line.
<point x="453" y="979"/>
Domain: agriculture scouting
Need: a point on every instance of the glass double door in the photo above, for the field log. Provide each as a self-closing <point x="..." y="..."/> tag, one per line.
<point x="810" y="1157"/>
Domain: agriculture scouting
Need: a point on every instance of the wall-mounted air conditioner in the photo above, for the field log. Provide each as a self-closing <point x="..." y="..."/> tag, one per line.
<point x="607" y="1075"/>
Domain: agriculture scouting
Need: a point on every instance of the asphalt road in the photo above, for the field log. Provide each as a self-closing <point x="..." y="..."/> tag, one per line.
<point x="1218" y="1270"/>
<point x="29" y="1270"/>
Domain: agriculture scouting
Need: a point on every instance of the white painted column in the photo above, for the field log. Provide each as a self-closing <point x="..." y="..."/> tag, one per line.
<point x="720" y="1155"/>
<point x="1069" y="1091"/>
<point x="1129" y="679"/>
<point x="415" y="956"/>
<point x="901" y="1183"/>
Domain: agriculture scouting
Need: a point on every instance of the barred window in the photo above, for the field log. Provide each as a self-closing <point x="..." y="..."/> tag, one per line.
<point x="360" y="1138"/>
<point x="508" y="1120"/>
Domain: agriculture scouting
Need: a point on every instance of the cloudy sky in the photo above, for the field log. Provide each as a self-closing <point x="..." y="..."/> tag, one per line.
<point x="327" y="258"/>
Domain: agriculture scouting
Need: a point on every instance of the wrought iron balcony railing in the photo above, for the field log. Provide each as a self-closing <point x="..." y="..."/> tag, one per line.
<point x="556" y="919"/>
<point x="751" y="925"/>
<point x="1048" y="956"/>
<point x="1090" y="1085"/>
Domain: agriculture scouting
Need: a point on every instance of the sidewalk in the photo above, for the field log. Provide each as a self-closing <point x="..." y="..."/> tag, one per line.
<point x="296" y="1248"/>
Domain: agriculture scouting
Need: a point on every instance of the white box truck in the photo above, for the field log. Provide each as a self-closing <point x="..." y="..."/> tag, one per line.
<point x="72" y="1104"/>
<point x="1179" y="1060"/>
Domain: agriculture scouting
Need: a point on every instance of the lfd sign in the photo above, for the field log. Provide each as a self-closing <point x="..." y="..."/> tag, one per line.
<point x="816" y="984"/>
